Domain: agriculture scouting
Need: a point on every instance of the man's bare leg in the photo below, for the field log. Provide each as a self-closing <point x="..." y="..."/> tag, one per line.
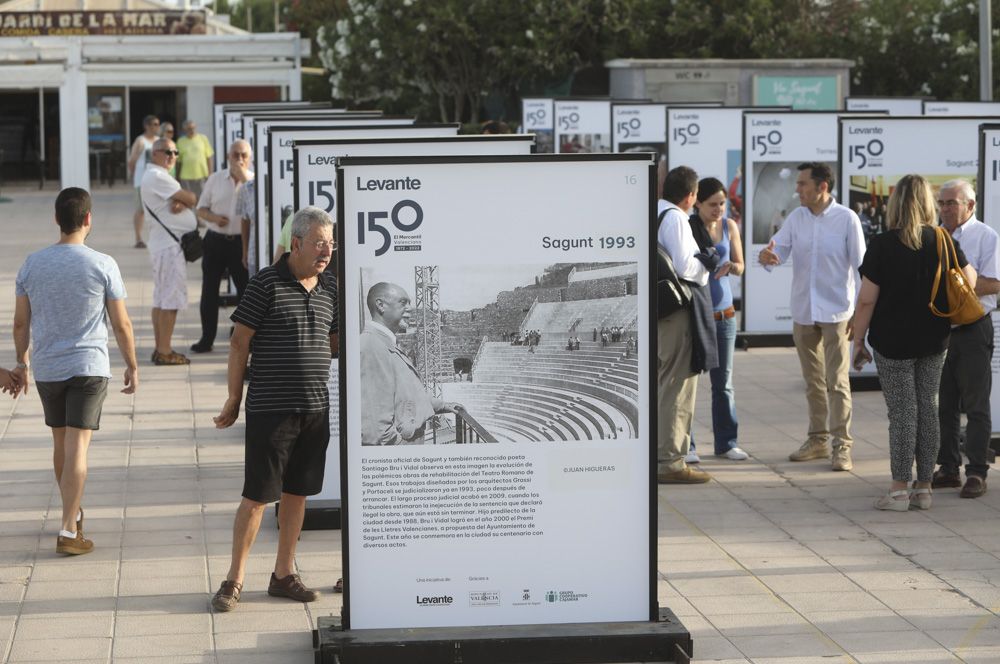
<point x="137" y="220"/>
<point x="290" y="517"/>
<point x="245" y="527"/>
<point x="74" y="474"/>
<point x="156" y="328"/>
<point x="58" y="451"/>
<point x="164" y="325"/>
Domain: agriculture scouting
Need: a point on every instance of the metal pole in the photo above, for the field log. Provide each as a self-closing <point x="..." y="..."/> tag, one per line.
<point x="985" y="51"/>
<point x="41" y="138"/>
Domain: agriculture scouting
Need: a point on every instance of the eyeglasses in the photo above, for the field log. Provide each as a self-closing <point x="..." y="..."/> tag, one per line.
<point x="235" y="155"/>
<point x="322" y="245"/>
<point x="172" y="153"/>
<point x="950" y="203"/>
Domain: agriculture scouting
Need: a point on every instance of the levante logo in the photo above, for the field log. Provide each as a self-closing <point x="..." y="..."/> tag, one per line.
<point x="441" y="600"/>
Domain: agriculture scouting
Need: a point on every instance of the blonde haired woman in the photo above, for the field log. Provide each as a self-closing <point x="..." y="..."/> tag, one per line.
<point x="909" y="341"/>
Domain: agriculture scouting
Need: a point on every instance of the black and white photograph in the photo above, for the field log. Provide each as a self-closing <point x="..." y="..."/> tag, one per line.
<point x="774" y="196"/>
<point x="481" y="354"/>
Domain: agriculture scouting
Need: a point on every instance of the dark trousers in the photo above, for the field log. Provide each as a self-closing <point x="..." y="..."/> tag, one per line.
<point x="965" y="388"/>
<point x="222" y="252"/>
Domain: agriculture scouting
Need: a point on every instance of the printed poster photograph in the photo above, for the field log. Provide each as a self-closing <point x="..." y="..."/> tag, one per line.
<point x="537" y="353"/>
<point x="869" y="195"/>
<point x="496" y="389"/>
<point x="774" y="196"/>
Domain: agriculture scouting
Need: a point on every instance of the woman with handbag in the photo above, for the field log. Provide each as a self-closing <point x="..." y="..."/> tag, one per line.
<point x="909" y="340"/>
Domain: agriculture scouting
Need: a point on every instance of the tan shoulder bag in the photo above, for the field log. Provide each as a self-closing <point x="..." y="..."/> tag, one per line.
<point x="962" y="300"/>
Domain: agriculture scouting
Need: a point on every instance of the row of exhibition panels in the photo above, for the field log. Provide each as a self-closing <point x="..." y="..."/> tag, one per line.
<point x="754" y="151"/>
<point x="432" y="537"/>
<point x="423" y="195"/>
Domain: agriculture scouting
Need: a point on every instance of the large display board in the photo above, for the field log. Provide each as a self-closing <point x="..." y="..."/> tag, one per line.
<point x="315" y="184"/>
<point x="989" y="212"/>
<point x="962" y="108"/>
<point x="439" y="535"/>
<point x="263" y="163"/>
<point x="890" y="105"/>
<point x="639" y="127"/>
<point x="248" y="118"/>
<point x="876" y="152"/>
<point x="232" y="120"/>
<point x="219" y="142"/>
<point x="538" y="118"/>
<point x="582" y="126"/>
<point x="774" y="144"/>
<point x="314" y="161"/>
<point x="281" y="196"/>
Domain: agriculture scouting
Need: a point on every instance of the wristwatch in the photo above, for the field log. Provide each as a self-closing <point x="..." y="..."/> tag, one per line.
<point x="21" y="365"/>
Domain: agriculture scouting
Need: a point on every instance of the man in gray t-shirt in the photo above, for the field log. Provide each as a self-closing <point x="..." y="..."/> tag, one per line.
<point x="63" y="292"/>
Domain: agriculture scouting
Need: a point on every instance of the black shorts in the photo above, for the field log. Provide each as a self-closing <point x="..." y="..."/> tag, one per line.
<point x="75" y="402"/>
<point x="285" y="453"/>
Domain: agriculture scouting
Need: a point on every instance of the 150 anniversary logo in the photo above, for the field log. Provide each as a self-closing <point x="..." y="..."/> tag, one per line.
<point x="405" y="217"/>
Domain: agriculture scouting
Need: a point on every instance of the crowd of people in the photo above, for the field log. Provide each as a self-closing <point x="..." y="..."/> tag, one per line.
<point x="67" y="292"/>
<point x="932" y="366"/>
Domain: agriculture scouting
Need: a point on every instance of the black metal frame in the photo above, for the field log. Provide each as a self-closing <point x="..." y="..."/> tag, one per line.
<point x="649" y="352"/>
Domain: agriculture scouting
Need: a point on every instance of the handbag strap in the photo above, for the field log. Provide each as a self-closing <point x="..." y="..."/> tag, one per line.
<point x="176" y="239"/>
<point x="946" y="255"/>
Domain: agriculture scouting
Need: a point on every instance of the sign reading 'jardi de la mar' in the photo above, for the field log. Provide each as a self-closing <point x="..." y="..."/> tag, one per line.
<point x="32" y="24"/>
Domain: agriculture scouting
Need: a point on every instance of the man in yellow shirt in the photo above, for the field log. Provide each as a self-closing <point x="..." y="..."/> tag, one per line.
<point x="195" y="160"/>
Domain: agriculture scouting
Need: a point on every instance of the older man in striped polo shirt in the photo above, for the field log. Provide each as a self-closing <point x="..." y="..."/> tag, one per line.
<point x="289" y="310"/>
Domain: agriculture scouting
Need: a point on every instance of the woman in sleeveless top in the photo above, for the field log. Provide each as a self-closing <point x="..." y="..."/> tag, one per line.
<point x="725" y="236"/>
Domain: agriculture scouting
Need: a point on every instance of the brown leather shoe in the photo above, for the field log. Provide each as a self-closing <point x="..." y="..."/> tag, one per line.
<point x="228" y="596"/>
<point x="291" y="587"/>
<point x="687" y="475"/>
<point x="975" y="486"/>
<point x="944" y="479"/>
<point x="74" y="546"/>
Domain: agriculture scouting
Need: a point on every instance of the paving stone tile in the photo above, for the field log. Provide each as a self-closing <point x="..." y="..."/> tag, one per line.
<point x="810" y="644"/>
<point x="60" y="650"/>
<point x="129" y="624"/>
<point x="199" y="643"/>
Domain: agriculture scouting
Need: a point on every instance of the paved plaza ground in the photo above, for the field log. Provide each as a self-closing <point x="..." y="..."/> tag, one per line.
<point x="772" y="562"/>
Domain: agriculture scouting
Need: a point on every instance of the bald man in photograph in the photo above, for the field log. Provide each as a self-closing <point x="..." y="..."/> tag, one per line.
<point x="395" y="405"/>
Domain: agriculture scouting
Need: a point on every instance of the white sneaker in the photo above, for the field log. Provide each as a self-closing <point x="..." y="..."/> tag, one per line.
<point x="736" y="454"/>
<point x="692" y="457"/>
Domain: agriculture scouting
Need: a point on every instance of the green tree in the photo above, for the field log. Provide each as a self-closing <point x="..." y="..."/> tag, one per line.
<point x="447" y="55"/>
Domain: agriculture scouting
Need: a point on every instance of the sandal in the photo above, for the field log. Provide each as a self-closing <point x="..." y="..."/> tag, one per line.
<point x="139" y="244"/>
<point x="920" y="498"/>
<point x="338" y="587"/>
<point x="890" y="501"/>
<point x="170" y="359"/>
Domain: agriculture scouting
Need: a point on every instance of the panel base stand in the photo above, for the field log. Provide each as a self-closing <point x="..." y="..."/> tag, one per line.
<point x="320" y="514"/>
<point x="666" y="640"/>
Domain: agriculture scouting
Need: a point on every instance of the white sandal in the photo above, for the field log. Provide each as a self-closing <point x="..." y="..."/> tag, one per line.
<point x="921" y="498"/>
<point x="889" y="501"/>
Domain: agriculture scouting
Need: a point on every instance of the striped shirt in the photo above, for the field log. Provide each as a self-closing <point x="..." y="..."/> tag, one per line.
<point x="290" y="365"/>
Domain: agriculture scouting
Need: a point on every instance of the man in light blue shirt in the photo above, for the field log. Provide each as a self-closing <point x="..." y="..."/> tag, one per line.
<point x="62" y="293"/>
<point x="826" y="244"/>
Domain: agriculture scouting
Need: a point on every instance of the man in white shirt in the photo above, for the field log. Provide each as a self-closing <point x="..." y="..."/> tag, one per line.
<point x="966" y="379"/>
<point x="223" y="238"/>
<point x="677" y="384"/>
<point x="171" y="209"/>
<point x="826" y="244"/>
